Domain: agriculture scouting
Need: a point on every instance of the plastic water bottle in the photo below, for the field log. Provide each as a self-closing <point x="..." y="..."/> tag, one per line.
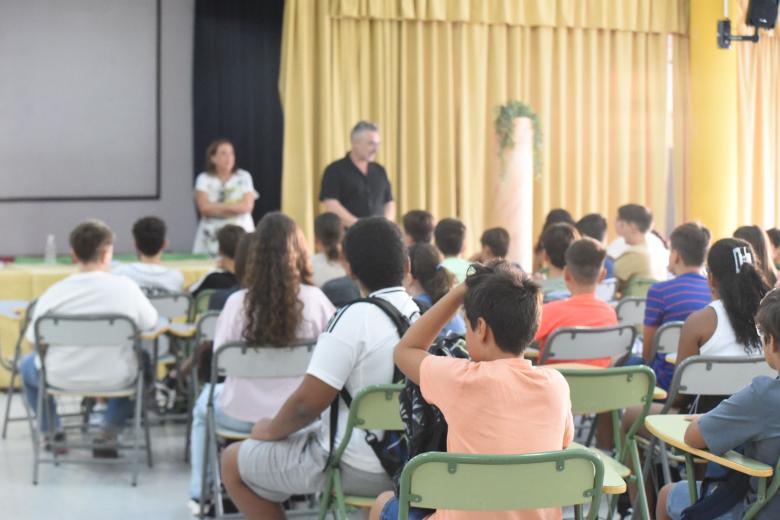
<point x="50" y="251"/>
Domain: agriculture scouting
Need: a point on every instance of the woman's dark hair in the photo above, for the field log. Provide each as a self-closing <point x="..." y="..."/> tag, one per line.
<point x="555" y="216"/>
<point x="376" y="253"/>
<point x="435" y="280"/>
<point x="774" y="236"/>
<point x="242" y="255"/>
<point x="276" y="267"/>
<point x="211" y="149"/>
<point x="763" y="256"/>
<point x="740" y="285"/>
<point x="329" y="231"/>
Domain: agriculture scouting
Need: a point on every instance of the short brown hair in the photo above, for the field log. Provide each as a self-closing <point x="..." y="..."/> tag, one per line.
<point x="228" y="237"/>
<point x="691" y="240"/>
<point x="556" y="239"/>
<point x="636" y="214"/>
<point x="768" y="315"/>
<point x="585" y="259"/>
<point x="418" y="224"/>
<point x="90" y="239"/>
<point x="497" y="240"/>
<point x="211" y="149"/>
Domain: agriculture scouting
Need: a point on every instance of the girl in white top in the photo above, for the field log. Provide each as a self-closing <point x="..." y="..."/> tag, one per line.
<point x="278" y="307"/>
<point x="328" y="232"/>
<point x="224" y="194"/>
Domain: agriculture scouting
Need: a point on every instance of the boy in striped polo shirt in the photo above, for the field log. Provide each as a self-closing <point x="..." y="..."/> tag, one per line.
<point x="675" y="299"/>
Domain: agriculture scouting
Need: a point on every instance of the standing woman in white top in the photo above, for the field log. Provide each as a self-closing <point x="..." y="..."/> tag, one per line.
<point x="224" y="194"/>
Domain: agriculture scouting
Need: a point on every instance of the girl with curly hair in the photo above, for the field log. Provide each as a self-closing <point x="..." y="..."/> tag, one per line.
<point x="278" y="307"/>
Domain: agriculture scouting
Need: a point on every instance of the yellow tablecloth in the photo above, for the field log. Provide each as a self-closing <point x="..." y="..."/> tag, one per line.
<point x="27" y="282"/>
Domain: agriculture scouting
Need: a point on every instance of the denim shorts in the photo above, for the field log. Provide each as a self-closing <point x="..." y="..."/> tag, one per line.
<point x="679" y="498"/>
<point x="390" y="511"/>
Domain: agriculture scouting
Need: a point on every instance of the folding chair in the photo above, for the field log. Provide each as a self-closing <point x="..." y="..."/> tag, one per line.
<point x="373" y="408"/>
<point x="171" y="307"/>
<point x="607" y="289"/>
<point x="12" y="365"/>
<point x="247" y="362"/>
<point x="200" y="304"/>
<point x="666" y="339"/>
<point x="54" y="331"/>
<point x="638" y="287"/>
<point x="582" y="343"/>
<point x="204" y="331"/>
<point x="462" y="482"/>
<point x="706" y="376"/>
<point x="631" y="311"/>
<point x="612" y="390"/>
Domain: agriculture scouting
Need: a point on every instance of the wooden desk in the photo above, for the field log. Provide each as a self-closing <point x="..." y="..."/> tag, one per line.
<point x="671" y="430"/>
<point x="165" y="326"/>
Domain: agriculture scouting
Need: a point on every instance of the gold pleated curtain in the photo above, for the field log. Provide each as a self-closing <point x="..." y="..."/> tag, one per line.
<point x="758" y="94"/>
<point x="431" y="73"/>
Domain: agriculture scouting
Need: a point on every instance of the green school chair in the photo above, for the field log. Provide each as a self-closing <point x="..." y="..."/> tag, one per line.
<point x="200" y="305"/>
<point x="463" y="482"/>
<point x="638" y="287"/>
<point x="373" y="408"/>
<point x="612" y="390"/>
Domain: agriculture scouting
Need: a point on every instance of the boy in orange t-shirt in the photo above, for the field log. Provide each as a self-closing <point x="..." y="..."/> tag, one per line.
<point x="583" y="272"/>
<point x="497" y="403"/>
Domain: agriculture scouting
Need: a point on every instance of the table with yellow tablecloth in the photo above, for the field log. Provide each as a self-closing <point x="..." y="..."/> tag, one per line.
<point x="28" y="281"/>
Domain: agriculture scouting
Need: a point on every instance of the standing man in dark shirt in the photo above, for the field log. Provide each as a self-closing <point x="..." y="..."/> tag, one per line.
<point x="355" y="186"/>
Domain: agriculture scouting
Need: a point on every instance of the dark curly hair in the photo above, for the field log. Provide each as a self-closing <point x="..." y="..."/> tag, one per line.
<point x="375" y="253"/>
<point x="277" y="265"/>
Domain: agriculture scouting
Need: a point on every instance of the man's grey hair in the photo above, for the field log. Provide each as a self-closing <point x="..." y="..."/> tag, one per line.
<point x="363" y="126"/>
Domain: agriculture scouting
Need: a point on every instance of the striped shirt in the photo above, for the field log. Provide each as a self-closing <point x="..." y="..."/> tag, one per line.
<point x="676" y="299"/>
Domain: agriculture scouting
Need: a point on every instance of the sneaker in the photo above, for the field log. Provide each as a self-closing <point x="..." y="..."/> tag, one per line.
<point x="53" y="444"/>
<point x="194" y="506"/>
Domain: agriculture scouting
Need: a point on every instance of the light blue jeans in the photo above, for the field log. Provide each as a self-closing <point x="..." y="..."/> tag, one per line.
<point x="117" y="410"/>
<point x="198" y="436"/>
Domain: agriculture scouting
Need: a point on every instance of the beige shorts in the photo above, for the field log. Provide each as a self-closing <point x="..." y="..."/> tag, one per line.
<point x="294" y="466"/>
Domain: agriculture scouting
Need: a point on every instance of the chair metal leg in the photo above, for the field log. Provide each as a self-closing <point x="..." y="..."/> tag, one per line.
<point x="137" y="430"/>
<point x="148" y="438"/>
<point x="642" y="504"/>
<point x="206" y="460"/>
<point x="9" y="396"/>
<point x="665" y="463"/>
<point x="327" y="496"/>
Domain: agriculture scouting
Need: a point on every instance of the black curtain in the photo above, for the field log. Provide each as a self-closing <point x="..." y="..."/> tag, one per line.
<point x="235" y="88"/>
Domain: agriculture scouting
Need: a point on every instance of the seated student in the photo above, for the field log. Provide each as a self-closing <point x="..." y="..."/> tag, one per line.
<point x="556" y="239"/>
<point x="428" y="282"/>
<point x="632" y="224"/>
<point x="497" y="403"/>
<point x="224" y="275"/>
<point x="750" y="419"/>
<point x="555" y="216"/>
<point x="286" y="455"/>
<point x="582" y="273"/>
<point x="774" y="239"/>
<point x="758" y="238"/>
<point x="148" y="272"/>
<point x="278" y="307"/>
<point x="594" y="225"/>
<point x="495" y="244"/>
<point x="325" y="264"/>
<point x="418" y="227"/>
<point x="676" y="299"/>
<point x="450" y="237"/>
<point x="218" y="299"/>
<point x="91" y="290"/>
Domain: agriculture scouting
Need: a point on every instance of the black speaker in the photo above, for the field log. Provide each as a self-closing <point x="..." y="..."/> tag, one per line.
<point x="762" y="13"/>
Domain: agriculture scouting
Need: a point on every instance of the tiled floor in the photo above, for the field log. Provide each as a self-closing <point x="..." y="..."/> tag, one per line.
<point x="87" y="492"/>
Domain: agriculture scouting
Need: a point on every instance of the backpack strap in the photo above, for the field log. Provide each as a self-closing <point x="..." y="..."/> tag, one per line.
<point x="401" y="323"/>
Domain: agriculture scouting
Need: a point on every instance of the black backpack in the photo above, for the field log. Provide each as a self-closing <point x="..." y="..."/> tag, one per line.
<point x="391" y="448"/>
<point x="424" y="425"/>
<point x="732" y="487"/>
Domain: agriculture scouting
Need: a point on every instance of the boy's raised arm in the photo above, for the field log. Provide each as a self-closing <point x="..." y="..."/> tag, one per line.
<point x="413" y="347"/>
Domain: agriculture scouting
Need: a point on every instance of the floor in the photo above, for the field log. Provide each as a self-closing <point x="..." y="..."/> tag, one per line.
<point x="89" y="492"/>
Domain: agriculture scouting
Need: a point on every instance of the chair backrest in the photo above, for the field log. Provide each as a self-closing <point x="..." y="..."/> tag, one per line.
<point x="88" y="330"/>
<point x="638" y="287"/>
<point x="261" y="362"/>
<point x="172" y="305"/>
<point x="501" y="482"/>
<point x="201" y="304"/>
<point x="375" y="407"/>
<point x="589" y="343"/>
<point x="716" y="375"/>
<point x="206" y="327"/>
<point x="606" y="289"/>
<point x="631" y="311"/>
<point x="666" y="338"/>
<point x="596" y="391"/>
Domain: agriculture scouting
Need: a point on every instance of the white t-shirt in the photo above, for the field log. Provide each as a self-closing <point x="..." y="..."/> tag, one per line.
<point x="723" y="341"/>
<point x="96" y="292"/>
<point x="152" y="276"/>
<point x="232" y="191"/>
<point x="659" y="255"/>
<point x="357" y="351"/>
<point x="325" y="270"/>
<point x="252" y="399"/>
